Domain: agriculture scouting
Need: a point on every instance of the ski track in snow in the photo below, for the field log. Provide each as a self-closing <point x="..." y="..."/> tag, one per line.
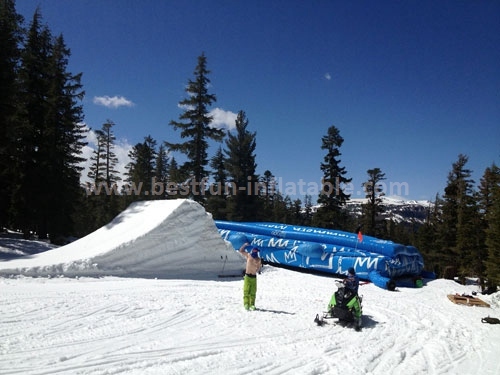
<point x="146" y="326"/>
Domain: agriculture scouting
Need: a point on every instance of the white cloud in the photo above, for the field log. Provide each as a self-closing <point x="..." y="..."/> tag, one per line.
<point x="223" y="119"/>
<point x="328" y="76"/>
<point x="185" y="107"/>
<point x="113" y="101"/>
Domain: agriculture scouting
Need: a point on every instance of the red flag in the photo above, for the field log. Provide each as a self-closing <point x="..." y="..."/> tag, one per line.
<point x="360" y="236"/>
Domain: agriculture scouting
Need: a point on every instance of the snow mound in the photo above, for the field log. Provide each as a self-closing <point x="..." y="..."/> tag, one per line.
<point x="155" y="239"/>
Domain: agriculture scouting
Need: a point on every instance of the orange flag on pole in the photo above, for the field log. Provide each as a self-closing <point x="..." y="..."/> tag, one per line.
<point x="360" y="235"/>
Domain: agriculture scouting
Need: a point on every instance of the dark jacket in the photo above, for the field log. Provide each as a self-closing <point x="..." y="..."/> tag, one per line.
<point x="352" y="283"/>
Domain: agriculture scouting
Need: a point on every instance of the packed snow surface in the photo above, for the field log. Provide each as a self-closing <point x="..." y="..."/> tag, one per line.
<point x="95" y="324"/>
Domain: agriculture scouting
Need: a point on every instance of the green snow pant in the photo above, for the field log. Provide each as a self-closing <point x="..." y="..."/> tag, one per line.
<point x="355" y="305"/>
<point x="249" y="290"/>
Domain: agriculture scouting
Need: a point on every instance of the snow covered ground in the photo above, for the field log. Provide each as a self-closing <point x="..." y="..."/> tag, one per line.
<point x="92" y="324"/>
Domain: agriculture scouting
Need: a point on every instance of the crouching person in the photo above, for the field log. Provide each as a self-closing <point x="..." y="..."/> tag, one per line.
<point x="345" y="303"/>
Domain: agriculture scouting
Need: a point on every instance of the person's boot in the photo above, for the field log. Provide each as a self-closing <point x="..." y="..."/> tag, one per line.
<point x="357" y="324"/>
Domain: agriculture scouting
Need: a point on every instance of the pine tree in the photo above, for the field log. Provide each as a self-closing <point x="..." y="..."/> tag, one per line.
<point x="425" y="240"/>
<point x="470" y="231"/>
<point x="307" y="215"/>
<point x="11" y="37"/>
<point x="241" y="167"/>
<point x="216" y="199"/>
<point x="457" y="231"/>
<point x="50" y="140"/>
<point x="470" y="237"/>
<point x="110" y="159"/>
<point x="102" y="172"/>
<point x="493" y="241"/>
<point x="490" y="199"/>
<point x="218" y="165"/>
<point x="488" y="183"/>
<point x="332" y="199"/>
<point x="269" y="191"/>
<point x="161" y="173"/>
<point x="195" y="126"/>
<point x="175" y="178"/>
<point x="31" y="129"/>
<point x="297" y="217"/>
<point x="104" y="160"/>
<point x="373" y="208"/>
<point x="64" y="142"/>
<point x="433" y="243"/>
<point x="141" y="170"/>
<point x="95" y="172"/>
<point x="282" y="209"/>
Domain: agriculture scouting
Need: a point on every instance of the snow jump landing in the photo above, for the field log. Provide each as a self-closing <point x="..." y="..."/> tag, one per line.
<point x="155" y="239"/>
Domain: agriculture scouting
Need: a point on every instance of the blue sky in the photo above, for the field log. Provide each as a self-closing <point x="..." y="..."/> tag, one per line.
<point x="409" y="84"/>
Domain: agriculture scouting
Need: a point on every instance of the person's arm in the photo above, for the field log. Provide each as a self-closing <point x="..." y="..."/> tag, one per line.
<point x="242" y="249"/>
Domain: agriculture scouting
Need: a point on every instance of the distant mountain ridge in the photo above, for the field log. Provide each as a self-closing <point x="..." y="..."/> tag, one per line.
<point x="396" y="208"/>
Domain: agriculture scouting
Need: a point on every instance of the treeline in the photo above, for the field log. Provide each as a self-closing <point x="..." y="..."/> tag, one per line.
<point x="41" y="146"/>
<point x="41" y="127"/>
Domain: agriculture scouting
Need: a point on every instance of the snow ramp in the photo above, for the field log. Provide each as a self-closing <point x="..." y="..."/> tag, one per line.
<point x="169" y="239"/>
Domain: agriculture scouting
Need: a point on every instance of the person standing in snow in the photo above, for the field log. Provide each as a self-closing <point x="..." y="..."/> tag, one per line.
<point x="250" y="279"/>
